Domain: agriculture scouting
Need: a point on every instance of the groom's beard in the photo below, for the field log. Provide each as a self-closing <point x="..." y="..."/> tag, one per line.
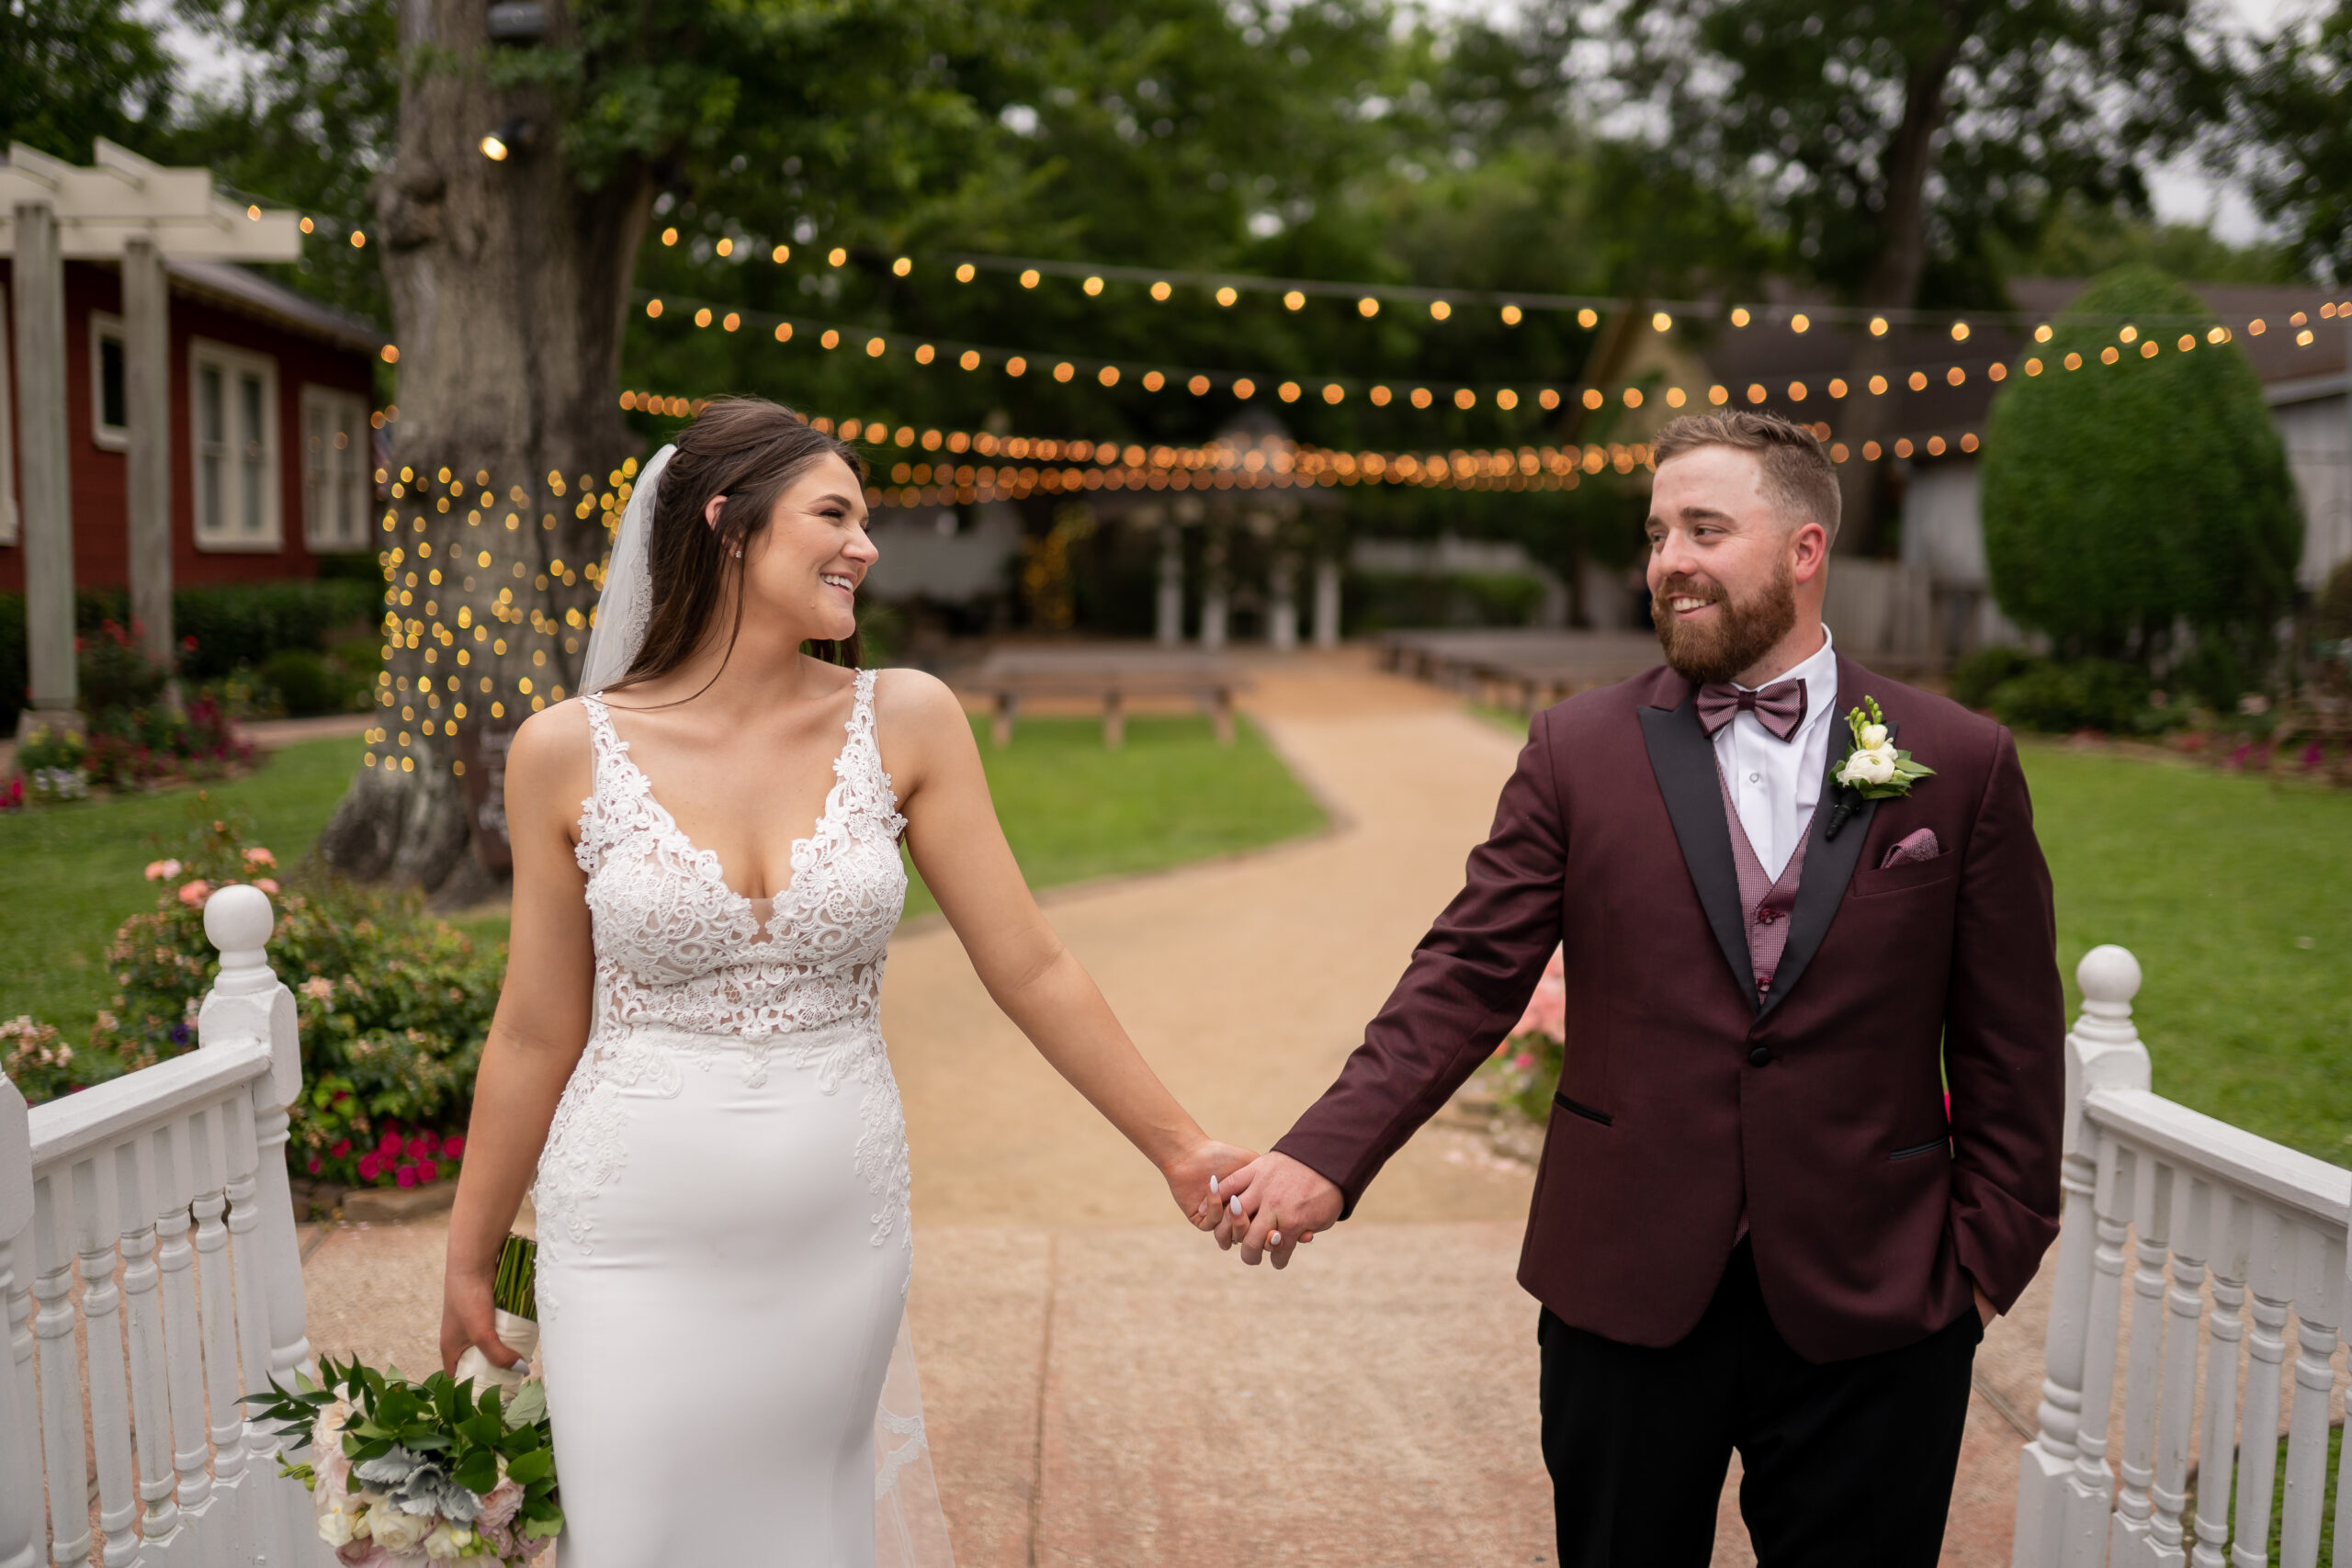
<point x="1743" y="631"/>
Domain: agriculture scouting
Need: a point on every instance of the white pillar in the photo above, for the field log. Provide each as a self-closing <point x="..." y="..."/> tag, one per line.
<point x="146" y="359"/>
<point x="45" y="483"/>
<point x="1327" y="602"/>
<point x="1281" y="610"/>
<point x="1168" y="620"/>
<point x="1213" y="590"/>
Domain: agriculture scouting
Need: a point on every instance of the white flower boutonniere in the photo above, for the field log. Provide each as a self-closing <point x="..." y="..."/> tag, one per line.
<point x="1871" y="768"/>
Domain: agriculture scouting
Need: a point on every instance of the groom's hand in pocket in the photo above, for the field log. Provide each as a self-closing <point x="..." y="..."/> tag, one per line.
<point x="1273" y="1204"/>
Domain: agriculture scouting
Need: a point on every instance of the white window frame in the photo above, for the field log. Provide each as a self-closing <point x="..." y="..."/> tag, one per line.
<point x="105" y="326"/>
<point x="219" y="534"/>
<point x="328" y="411"/>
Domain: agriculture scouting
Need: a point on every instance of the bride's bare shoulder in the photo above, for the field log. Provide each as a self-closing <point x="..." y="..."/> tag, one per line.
<point x="915" y="714"/>
<point x="552" y="750"/>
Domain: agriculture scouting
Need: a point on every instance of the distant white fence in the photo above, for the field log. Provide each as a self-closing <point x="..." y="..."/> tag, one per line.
<point x="2236" y="1216"/>
<point x="164" y="1193"/>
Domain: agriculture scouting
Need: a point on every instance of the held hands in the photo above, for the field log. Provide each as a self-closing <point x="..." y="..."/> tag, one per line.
<point x="1193" y="1179"/>
<point x="1270" y="1205"/>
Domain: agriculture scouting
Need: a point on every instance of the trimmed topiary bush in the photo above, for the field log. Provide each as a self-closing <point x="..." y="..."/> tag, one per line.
<point x="2125" y="496"/>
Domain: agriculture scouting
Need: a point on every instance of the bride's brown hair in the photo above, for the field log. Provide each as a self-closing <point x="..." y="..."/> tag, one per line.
<point x="750" y="451"/>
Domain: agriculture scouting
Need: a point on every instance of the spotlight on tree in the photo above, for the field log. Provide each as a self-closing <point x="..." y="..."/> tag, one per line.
<point x="510" y="137"/>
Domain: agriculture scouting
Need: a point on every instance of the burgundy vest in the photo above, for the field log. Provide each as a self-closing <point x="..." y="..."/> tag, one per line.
<point x="1764" y="903"/>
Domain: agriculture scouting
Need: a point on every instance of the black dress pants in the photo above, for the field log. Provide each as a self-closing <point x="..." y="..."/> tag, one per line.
<point x="1848" y="1464"/>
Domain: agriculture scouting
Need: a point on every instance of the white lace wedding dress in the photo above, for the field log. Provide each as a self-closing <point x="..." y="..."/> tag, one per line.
<point x="724" y="1245"/>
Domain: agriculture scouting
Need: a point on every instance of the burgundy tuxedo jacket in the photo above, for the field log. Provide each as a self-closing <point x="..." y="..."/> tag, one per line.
<point x="1686" y="1098"/>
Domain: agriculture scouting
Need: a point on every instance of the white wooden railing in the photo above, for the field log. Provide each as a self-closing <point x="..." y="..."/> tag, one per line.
<point x="164" y="1191"/>
<point x="2236" y="1216"/>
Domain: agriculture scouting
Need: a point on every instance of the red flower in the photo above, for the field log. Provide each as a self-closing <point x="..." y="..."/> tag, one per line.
<point x="407" y="1176"/>
<point x="368" y="1166"/>
<point x="390" y="1145"/>
<point x="314" y="1165"/>
<point x="341" y="1149"/>
<point x="455" y="1148"/>
<point x="427" y="1171"/>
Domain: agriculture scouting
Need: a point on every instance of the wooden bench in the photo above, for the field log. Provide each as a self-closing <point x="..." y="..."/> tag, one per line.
<point x="1112" y="677"/>
<point x="1529" y="668"/>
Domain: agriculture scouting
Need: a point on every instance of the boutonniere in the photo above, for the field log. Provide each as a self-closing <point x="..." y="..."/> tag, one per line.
<point x="1871" y="768"/>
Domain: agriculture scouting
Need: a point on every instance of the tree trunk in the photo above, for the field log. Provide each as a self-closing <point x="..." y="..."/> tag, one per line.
<point x="509" y="286"/>
<point x="1893" y="283"/>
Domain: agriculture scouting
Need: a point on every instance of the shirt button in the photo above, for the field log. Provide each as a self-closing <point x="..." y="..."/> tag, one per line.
<point x="1754" y="777"/>
<point x="1759" y="1056"/>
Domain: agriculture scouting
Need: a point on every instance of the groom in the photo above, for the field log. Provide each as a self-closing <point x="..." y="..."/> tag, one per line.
<point x="1754" y="1228"/>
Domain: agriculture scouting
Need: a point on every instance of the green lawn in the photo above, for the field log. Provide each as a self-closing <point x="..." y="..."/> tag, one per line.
<point x="2236" y="894"/>
<point x="69" y="873"/>
<point x="1072" y="810"/>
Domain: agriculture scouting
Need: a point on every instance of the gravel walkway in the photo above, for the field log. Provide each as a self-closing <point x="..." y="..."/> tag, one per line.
<point x="1103" y="1387"/>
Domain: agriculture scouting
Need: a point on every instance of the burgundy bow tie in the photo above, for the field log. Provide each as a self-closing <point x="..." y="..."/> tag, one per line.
<point x="1779" y="708"/>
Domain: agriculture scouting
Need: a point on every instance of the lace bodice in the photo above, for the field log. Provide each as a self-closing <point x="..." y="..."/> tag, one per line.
<point x="676" y="946"/>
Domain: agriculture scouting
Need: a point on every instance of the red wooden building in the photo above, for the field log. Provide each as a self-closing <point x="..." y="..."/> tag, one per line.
<point x="272" y="456"/>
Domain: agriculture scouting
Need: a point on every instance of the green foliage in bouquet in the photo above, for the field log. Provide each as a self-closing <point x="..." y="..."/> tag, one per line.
<point x="433" y="1466"/>
<point x="392" y="1007"/>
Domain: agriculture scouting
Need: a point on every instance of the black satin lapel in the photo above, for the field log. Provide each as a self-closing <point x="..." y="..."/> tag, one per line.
<point x="1684" y="761"/>
<point x="1828" y="866"/>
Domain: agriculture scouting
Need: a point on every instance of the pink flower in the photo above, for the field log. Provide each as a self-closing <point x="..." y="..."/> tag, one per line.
<point x="193" y="893"/>
<point x="390" y="1145"/>
<point x="341" y="1149"/>
<point x="267" y="884"/>
<point x="407" y="1176"/>
<point x="427" y="1172"/>
<point x="162" y="870"/>
<point x="319" y="989"/>
<point x="259" y="856"/>
<point x="1522" y="1062"/>
<point x="315" y="1165"/>
<point x="502" y="1503"/>
<point x="1547" y="1009"/>
<point x="363" y="1553"/>
<point x="424" y="1143"/>
<point x="368" y="1166"/>
<point x="455" y="1148"/>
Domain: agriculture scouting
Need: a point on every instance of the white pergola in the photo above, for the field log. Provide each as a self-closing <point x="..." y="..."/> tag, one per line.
<point x="120" y="209"/>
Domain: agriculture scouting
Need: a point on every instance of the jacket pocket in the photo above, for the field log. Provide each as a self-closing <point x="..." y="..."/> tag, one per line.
<point x="1935" y="1147"/>
<point x="1587" y="1112"/>
<point x="1872" y="880"/>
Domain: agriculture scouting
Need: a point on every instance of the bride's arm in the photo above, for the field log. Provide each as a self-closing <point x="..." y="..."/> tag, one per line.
<point x="541" y="1026"/>
<point x="953" y="834"/>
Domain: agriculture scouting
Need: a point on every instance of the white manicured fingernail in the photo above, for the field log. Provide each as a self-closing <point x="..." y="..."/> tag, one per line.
<point x="1234" y="1204"/>
<point x="1213" y="1193"/>
<point x="1274" y="1238"/>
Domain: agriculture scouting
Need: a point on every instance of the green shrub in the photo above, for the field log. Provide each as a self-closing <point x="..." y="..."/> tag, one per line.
<point x="2089" y="693"/>
<point x="306" y="683"/>
<point x="2120" y="499"/>
<point x="1974" y="677"/>
<point x="245" y="623"/>
<point x="1382" y="600"/>
<point x="393" y="1008"/>
<point x="112" y="671"/>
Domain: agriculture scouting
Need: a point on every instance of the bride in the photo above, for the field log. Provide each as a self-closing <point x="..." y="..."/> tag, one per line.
<point x="686" y="1067"/>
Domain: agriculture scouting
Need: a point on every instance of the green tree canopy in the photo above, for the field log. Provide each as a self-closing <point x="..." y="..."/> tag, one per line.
<point x="2134" y="493"/>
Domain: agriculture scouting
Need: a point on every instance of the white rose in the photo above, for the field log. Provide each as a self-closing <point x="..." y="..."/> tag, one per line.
<point x="397" y="1532"/>
<point x="335" y="1526"/>
<point x="367" y="1508"/>
<point x="448" y="1542"/>
<point x="1871" y="766"/>
<point x="1874" y="737"/>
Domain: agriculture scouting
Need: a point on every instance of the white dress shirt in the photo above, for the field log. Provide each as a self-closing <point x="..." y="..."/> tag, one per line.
<point x="1776" y="784"/>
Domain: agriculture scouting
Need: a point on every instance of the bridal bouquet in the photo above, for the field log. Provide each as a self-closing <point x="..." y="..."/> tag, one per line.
<point x="407" y="1473"/>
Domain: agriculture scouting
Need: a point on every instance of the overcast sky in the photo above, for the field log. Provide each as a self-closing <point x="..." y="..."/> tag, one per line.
<point x="2180" y="191"/>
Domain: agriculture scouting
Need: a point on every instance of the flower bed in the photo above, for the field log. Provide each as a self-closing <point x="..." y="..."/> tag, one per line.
<point x="392" y="1009"/>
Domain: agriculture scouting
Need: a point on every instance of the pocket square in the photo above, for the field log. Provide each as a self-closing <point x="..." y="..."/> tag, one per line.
<point x="1914" y="847"/>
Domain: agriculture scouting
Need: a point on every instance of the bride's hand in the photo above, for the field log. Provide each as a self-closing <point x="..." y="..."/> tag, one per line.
<point x="467" y="1309"/>
<point x="1188" y="1178"/>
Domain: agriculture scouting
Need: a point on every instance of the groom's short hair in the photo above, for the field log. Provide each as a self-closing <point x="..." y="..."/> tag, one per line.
<point x="1797" y="473"/>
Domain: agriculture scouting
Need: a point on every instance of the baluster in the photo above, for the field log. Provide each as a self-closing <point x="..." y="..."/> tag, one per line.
<point x="2319" y="1268"/>
<point x="247" y="1002"/>
<point x="2344" y="1469"/>
<point x="2192" y="1210"/>
<point x="2224" y="1331"/>
<point x="2151" y="1225"/>
<point x="21" y="1535"/>
<point x="2272" y="1281"/>
<point x="95" y="1226"/>
<point x="21" y="1352"/>
<point x="144" y="1316"/>
<point x="2103" y="1051"/>
<point x="183" y="1341"/>
<point x="2090" y="1491"/>
<point x="64" y="1442"/>
<point x="269" y="1515"/>
<point x="232" y="1497"/>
